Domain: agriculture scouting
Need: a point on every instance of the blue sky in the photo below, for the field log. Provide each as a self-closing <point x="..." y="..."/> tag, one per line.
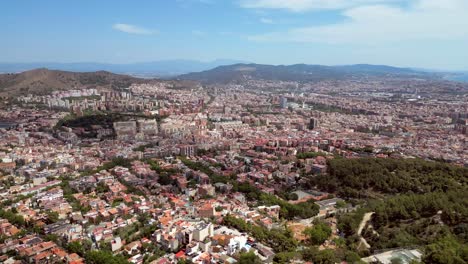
<point x="417" y="33"/>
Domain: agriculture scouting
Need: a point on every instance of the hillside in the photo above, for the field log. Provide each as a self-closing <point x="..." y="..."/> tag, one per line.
<point x="42" y="81"/>
<point x="415" y="204"/>
<point x="148" y="69"/>
<point x="298" y="72"/>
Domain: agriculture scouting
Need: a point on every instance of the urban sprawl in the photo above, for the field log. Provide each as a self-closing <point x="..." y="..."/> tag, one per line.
<point x="209" y="173"/>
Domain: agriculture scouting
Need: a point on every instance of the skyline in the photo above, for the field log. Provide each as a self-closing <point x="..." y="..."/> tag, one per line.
<point x="426" y="34"/>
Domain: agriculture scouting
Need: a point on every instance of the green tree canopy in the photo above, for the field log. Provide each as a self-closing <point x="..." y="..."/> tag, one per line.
<point x="318" y="233"/>
<point x="317" y="256"/>
<point x="249" y="258"/>
<point x="104" y="257"/>
<point x="447" y="250"/>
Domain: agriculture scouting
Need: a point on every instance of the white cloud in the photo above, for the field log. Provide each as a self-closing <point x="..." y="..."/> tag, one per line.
<point x="423" y="20"/>
<point x="132" y="29"/>
<point x="306" y="5"/>
<point x="266" y="20"/>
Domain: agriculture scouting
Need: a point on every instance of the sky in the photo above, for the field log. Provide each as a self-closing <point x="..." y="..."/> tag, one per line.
<point x="431" y="34"/>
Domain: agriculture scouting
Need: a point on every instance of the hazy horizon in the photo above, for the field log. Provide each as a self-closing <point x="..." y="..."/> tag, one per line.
<point x="46" y="64"/>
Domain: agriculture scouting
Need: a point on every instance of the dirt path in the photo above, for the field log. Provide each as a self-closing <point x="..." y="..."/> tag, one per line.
<point x="365" y="219"/>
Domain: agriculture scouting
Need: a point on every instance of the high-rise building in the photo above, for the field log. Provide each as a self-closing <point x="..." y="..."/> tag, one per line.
<point x="283" y="102"/>
<point x="313" y="123"/>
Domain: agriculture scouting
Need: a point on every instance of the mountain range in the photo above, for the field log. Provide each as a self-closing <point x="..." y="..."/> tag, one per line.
<point x="42" y="80"/>
<point x="162" y="68"/>
<point x="300" y="72"/>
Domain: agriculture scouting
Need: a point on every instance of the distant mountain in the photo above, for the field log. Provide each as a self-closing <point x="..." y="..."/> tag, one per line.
<point x="377" y="69"/>
<point x="299" y="72"/>
<point x="144" y="69"/>
<point x="43" y="81"/>
<point x="457" y="76"/>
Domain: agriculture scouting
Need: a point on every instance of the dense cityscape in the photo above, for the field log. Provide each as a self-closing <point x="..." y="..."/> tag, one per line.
<point x="230" y="173"/>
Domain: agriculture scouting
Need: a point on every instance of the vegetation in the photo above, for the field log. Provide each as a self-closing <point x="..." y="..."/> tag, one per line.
<point x="68" y="195"/>
<point x="87" y="121"/>
<point x="367" y="149"/>
<point x="13" y="218"/>
<point x="288" y="211"/>
<point x="416" y="203"/>
<point x="131" y="189"/>
<point x="368" y="177"/>
<point x="315" y="255"/>
<point x="18" y="198"/>
<point x="348" y="223"/>
<point x="142" y="148"/>
<point x="164" y="174"/>
<point x="279" y="240"/>
<point x="79" y="247"/>
<point x="419" y="219"/>
<point x="198" y="166"/>
<point x="115" y="162"/>
<point x="446" y="250"/>
<point x="52" y="216"/>
<point x="317" y="234"/>
<point x="453" y="206"/>
<point x="249" y="258"/>
<point x="309" y="155"/>
<point x="285" y="257"/>
<point x="104" y="257"/>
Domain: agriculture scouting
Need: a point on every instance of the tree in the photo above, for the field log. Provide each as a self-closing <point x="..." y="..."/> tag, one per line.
<point x="317" y="256"/>
<point x="249" y="258"/>
<point x="326" y="256"/>
<point x="284" y="257"/>
<point x="340" y="204"/>
<point x="278" y="239"/>
<point x="308" y="155"/>
<point x="13" y="218"/>
<point x="358" y="178"/>
<point x="293" y="197"/>
<point x="318" y="233"/>
<point x="52" y="216"/>
<point x="101" y="187"/>
<point x="52" y="237"/>
<point x="104" y="257"/>
<point x="105" y="246"/>
<point x="164" y="179"/>
<point x="352" y="257"/>
<point x="144" y="218"/>
<point x="446" y="250"/>
<point x="76" y="247"/>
